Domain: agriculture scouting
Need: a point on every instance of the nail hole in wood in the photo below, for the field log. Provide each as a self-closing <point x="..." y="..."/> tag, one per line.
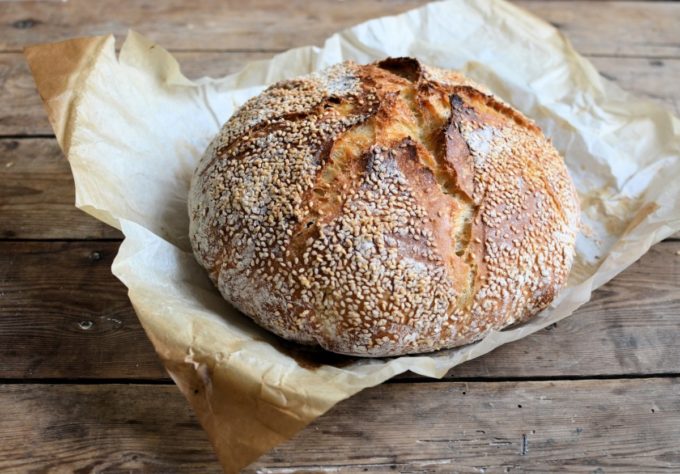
<point x="85" y="325"/>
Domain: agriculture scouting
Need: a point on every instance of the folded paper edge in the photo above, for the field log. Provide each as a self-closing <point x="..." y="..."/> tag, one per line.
<point x="58" y="70"/>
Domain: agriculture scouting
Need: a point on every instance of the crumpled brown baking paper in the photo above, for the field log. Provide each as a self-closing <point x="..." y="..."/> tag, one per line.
<point x="133" y="128"/>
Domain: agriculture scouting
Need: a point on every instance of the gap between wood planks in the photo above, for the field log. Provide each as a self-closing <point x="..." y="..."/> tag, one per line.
<point x="273" y="52"/>
<point x="407" y="378"/>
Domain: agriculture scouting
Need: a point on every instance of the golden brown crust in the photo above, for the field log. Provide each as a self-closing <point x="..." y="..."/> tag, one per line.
<point x="383" y="209"/>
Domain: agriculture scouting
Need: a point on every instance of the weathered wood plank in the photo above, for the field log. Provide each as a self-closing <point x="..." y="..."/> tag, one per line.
<point x="23" y="113"/>
<point x="614" y="28"/>
<point x="585" y="426"/>
<point x="100" y="428"/>
<point x="37" y="195"/>
<point x="631" y="325"/>
<point x="65" y="315"/>
<point x="596" y="27"/>
<point x="655" y="79"/>
<point x="201" y="25"/>
<point x="588" y="426"/>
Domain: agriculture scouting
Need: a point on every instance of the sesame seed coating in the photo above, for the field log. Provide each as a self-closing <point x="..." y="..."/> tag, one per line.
<point x="383" y="209"/>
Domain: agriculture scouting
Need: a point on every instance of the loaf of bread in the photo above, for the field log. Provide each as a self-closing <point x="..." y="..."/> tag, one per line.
<point x="383" y="209"/>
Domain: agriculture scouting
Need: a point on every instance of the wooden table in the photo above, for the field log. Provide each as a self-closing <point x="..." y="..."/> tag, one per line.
<point x="82" y="390"/>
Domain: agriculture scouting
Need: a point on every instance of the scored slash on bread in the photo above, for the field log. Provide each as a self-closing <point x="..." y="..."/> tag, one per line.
<point x="383" y="209"/>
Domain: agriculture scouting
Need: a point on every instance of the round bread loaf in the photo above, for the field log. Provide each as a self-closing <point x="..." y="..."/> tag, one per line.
<point x="383" y="209"/>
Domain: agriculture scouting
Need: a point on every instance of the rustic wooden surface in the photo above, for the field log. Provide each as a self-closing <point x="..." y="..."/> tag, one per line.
<point x="622" y="425"/>
<point x="81" y="389"/>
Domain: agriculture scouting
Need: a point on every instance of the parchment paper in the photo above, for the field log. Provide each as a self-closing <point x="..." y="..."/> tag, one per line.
<point x="133" y="128"/>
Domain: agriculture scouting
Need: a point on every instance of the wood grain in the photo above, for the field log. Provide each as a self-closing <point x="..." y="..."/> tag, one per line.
<point x="23" y="112"/>
<point x="37" y="195"/>
<point x="199" y="25"/>
<point x="631" y="325"/>
<point x="100" y="428"/>
<point x="625" y="29"/>
<point x="655" y="79"/>
<point x="586" y="426"/>
<point x="595" y="27"/>
<point x="65" y="315"/>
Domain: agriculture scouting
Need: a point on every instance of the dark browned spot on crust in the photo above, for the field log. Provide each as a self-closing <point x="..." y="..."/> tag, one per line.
<point x="408" y="68"/>
<point x="459" y="157"/>
<point x="484" y="101"/>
